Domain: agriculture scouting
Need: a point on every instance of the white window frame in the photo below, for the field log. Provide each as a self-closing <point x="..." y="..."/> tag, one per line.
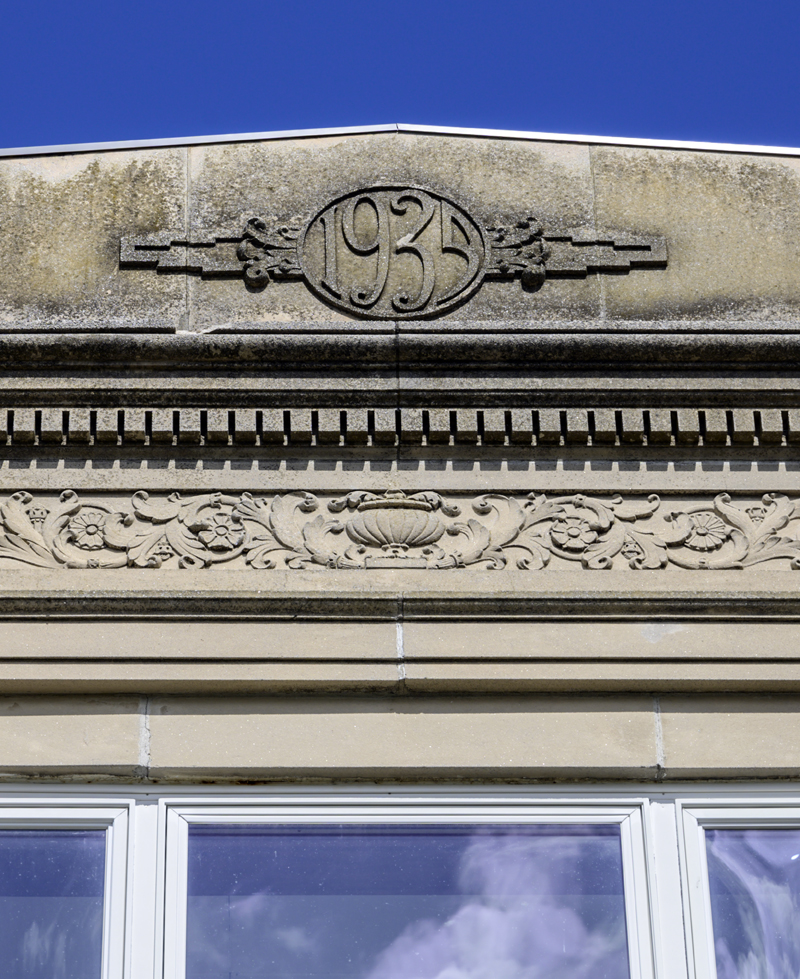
<point x="112" y="816"/>
<point x="694" y="819"/>
<point x="178" y="816"/>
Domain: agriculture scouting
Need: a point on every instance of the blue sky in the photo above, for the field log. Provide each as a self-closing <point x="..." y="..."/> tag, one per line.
<point x="86" y="71"/>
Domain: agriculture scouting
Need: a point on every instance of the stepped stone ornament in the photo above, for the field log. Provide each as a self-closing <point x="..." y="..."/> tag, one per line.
<point x="392" y="253"/>
<point x="395" y="530"/>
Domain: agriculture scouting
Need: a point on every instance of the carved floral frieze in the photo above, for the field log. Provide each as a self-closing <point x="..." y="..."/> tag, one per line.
<point x="397" y="530"/>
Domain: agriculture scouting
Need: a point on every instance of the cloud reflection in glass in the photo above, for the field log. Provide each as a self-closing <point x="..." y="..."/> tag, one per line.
<point x="406" y="902"/>
<point x="754" y="879"/>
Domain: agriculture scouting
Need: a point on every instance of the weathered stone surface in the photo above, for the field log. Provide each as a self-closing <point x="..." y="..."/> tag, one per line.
<point x="61" y="220"/>
<point x="732" y="224"/>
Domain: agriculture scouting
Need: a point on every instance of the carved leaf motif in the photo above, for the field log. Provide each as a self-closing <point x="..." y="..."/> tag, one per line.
<point x="190" y="551"/>
<point x="55" y="521"/>
<point x="634" y="510"/>
<point x="156" y="512"/>
<point x="478" y="541"/>
<point x="539" y="555"/>
<point x="282" y="519"/>
<point x="119" y="530"/>
<point x="681" y="528"/>
<point x="509" y="517"/>
<point x="770" y="548"/>
<point x="351" y="501"/>
<point x="140" y="552"/>
<point x="21" y="541"/>
<point x="316" y="545"/>
<point x="650" y="553"/>
<point x="764" y="543"/>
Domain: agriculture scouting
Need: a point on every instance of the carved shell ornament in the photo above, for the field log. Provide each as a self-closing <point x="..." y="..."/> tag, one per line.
<point x="396" y="530"/>
<point x="392" y="252"/>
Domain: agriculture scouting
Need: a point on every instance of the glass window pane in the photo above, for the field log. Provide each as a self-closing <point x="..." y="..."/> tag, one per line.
<point x="754" y="878"/>
<point x="51" y="903"/>
<point x="406" y="902"/>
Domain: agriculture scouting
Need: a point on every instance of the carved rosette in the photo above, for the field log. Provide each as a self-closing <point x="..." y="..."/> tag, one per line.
<point x="395" y="530"/>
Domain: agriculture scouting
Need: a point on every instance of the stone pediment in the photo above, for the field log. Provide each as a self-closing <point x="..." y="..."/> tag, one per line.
<point x="396" y="226"/>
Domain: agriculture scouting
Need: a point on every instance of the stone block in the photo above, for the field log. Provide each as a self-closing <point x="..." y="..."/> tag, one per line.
<point x="494" y="426"/>
<point x="403" y="737"/>
<point x="604" y="430"/>
<point x="688" y="429"/>
<point x="548" y="430"/>
<point x="87" y="202"/>
<point x="467" y="426"/>
<point x="24" y="426"/>
<point x="301" y="427"/>
<point x="770" y="427"/>
<point x="731" y="737"/>
<point x="385" y="430"/>
<point x="52" y="426"/>
<point x="356" y="427"/>
<point x="79" y="426"/>
<point x="411" y="426"/>
<point x="107" y="426"/>
<point x="71" y="735"/>
<point x="244" y="426"/>
<point x="633" y="427"/>
<point x="521" y="426"/>
<point x="189" y="429"/>
<point x="659" y="429"/>
<point x="577" y="430"/>
<point x="162" y="426"/>
<point x="217" y="426"/>
<point x="711" y="207"/>
<point x="439" y="428"/>
<point x="793" y="415"/>
<point x="272" y="426"/>
<point x="743" y="431"/>
<point x="716" y="426"/>
<point x="134" y="426"/>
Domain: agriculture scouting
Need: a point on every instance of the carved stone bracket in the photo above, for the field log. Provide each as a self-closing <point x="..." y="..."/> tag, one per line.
<point x="392" y="253"/>
<point x="395" y="530"/>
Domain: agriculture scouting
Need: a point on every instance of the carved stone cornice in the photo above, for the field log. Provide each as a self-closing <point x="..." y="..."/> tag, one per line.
<point x="509" y="346"/>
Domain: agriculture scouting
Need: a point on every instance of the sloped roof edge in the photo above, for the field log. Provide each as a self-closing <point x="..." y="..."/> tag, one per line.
<point x="676" y="144"/>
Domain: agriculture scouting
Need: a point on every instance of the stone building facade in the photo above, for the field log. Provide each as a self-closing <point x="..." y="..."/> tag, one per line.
<point x="404" y="478"/>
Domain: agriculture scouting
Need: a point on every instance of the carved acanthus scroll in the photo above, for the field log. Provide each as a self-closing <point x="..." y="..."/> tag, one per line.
<point x="395" y="530"/>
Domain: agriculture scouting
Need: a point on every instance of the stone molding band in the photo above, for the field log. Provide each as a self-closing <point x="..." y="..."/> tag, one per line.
<point x="364" y="427"/>
<point x="510" y="346"/>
